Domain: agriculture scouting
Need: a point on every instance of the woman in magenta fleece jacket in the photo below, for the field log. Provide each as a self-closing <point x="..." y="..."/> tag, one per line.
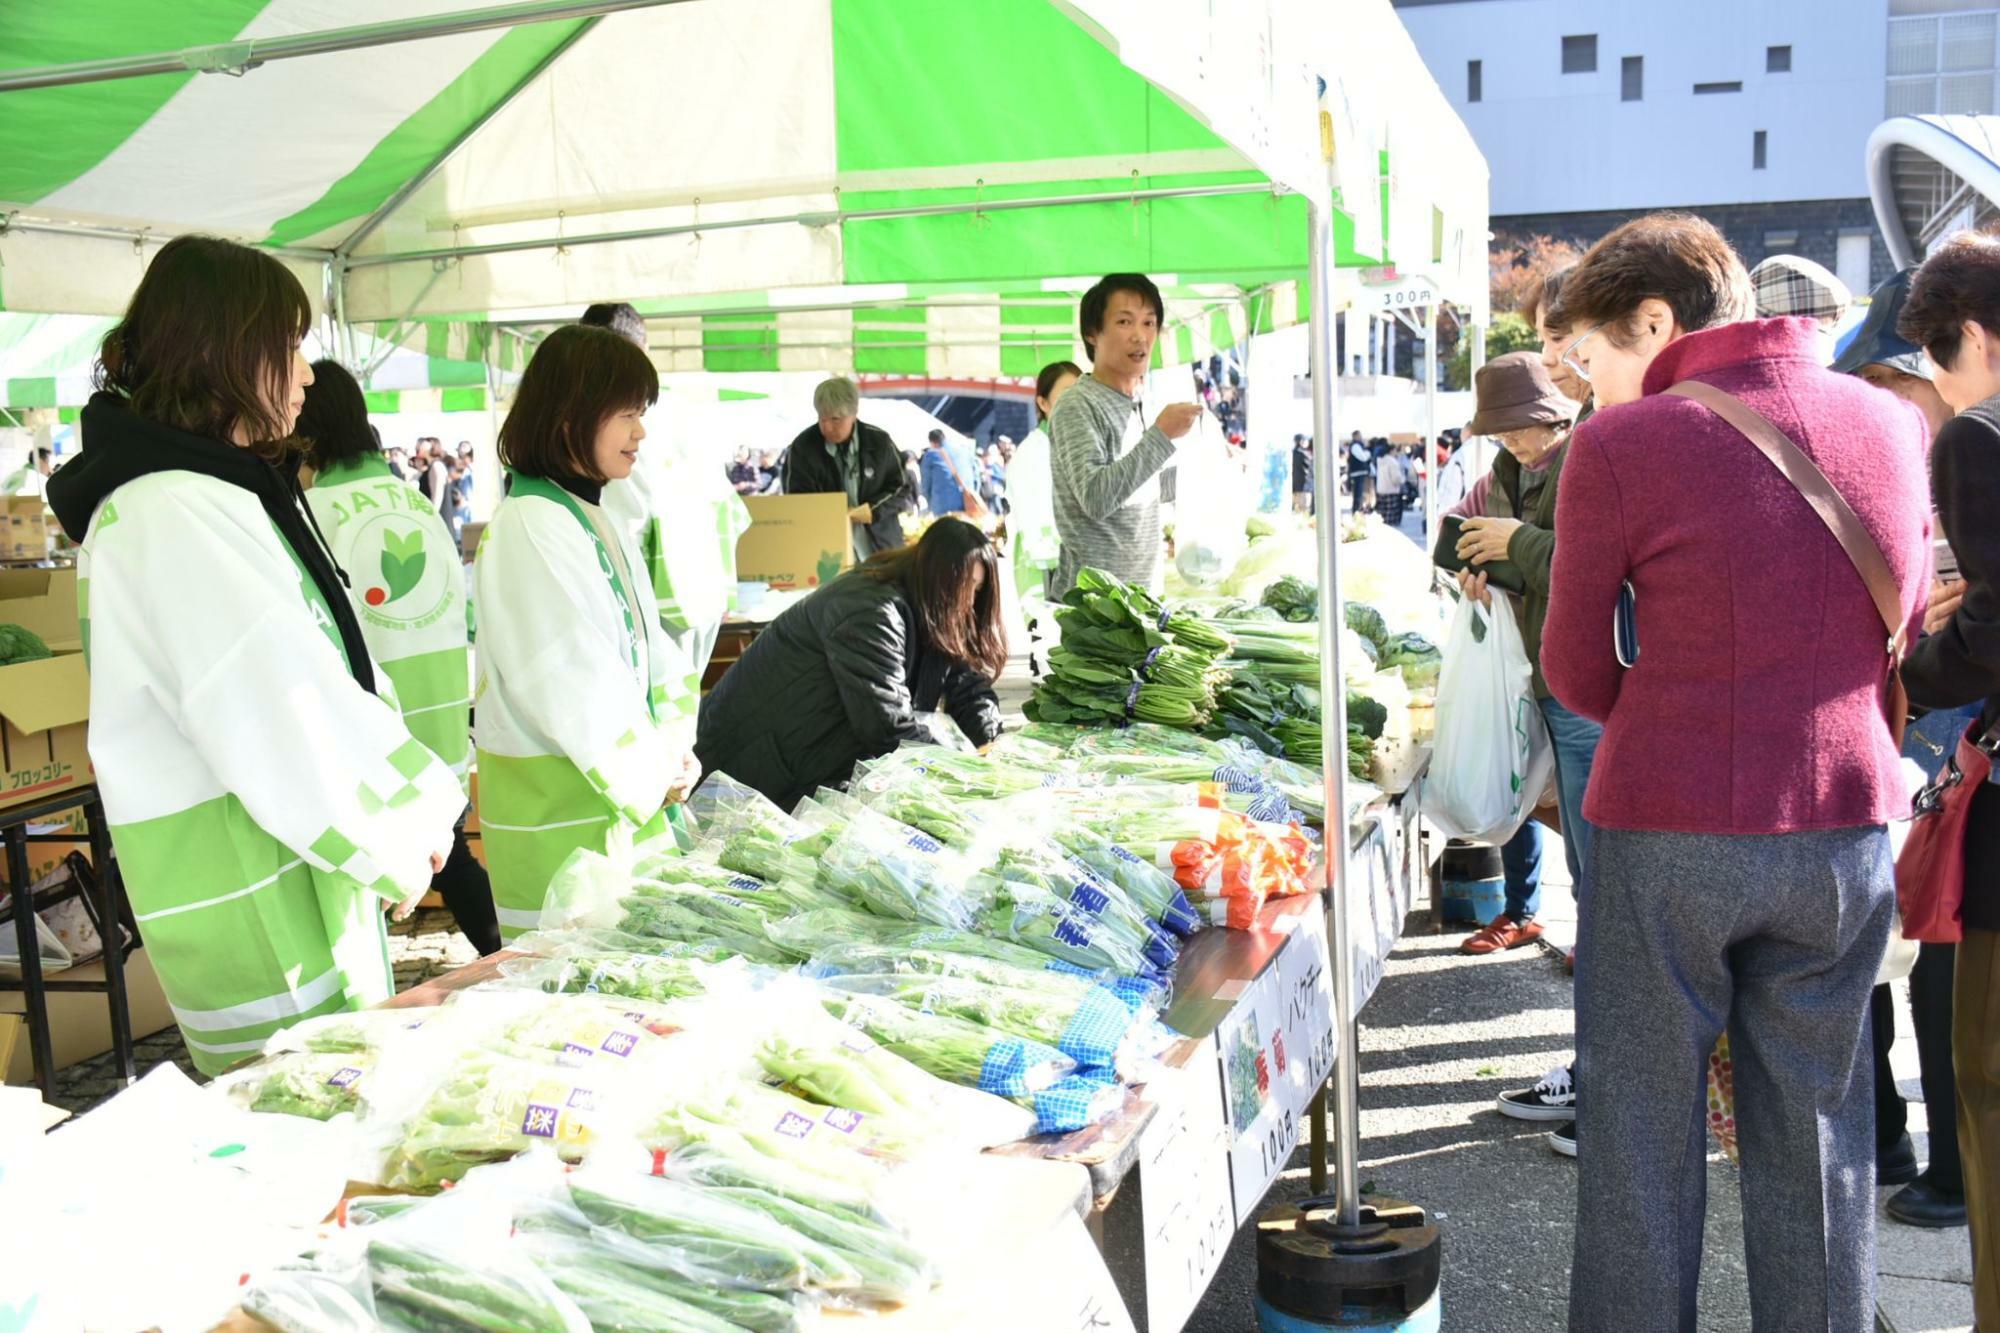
<point x="1741" y="872"/>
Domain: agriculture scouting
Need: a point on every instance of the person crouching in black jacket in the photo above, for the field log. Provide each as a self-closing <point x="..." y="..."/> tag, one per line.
<point x="842" y="676"/>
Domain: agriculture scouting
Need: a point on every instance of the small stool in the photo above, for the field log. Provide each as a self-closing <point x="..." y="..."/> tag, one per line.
<point x="109" y="912"/>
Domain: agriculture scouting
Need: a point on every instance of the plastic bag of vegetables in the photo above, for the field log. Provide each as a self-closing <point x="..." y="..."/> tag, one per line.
<point x="969" y="1054"/>
<point x="1088" y="1023"/>
<point x="894" y="870"/>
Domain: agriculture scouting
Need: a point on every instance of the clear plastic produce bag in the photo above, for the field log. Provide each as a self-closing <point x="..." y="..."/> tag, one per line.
<point x="1494" y="758"/>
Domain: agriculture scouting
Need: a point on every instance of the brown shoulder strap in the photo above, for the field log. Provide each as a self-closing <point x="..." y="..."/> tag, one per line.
<point x="1828" y="503"/>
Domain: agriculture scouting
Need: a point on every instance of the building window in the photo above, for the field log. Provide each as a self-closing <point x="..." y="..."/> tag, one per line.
<point x="1777" y="60"/>
<point x="1580" y="54"/>
<point x="1944" y="64"/>
<point x="1733" y="86"/>
<point x="1758" y="143"/>
<point x="1853" y="257"/>
<point x="1632" y="72"/>
<point x="1474" y="88"/>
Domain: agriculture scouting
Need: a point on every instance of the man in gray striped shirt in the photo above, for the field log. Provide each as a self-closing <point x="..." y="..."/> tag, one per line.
<point x="1106" y="461"/>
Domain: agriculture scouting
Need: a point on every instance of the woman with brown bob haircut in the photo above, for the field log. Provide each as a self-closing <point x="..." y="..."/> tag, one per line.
<point x="843" y="675"/>
<point x="1739" y="875"/>
<point x="1953" y="313"/>
<point x="265" y="804"/>
<point x="577" y="743"/>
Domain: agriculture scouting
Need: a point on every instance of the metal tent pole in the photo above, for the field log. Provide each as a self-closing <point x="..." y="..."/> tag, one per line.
<point x="1333" y="709"/>
<point x="1477" y="359"/>
<point x="822" y="218"/>
<point x="1428" y="451"/>
<point x="243" y="55"/>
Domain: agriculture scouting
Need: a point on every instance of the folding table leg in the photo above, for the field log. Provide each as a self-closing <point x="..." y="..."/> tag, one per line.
<point x="111" y="913"/>
<point x="35" y="1000"/>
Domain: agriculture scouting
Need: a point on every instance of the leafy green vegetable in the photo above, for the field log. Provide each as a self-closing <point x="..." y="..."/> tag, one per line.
<point x="1367" y="714"/>
<point x="1366" y="621"/>
<point x="19" y="644"/>
<point x="710" y="1234"/>
<point x="1293" y="598"/>
<point x="421" y="1287"/>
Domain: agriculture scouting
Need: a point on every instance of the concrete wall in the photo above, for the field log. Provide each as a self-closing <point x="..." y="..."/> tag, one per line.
<point x="1567" y="143"/>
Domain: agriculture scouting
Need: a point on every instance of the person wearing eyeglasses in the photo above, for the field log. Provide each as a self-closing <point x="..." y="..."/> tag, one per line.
<point x="1741" y="878"/>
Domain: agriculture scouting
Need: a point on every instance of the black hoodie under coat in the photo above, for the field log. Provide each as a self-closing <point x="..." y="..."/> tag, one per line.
<point x="120" y="446"/>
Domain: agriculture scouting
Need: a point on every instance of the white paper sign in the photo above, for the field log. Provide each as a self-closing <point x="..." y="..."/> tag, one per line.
<point x="1277" y="1050"/>
<point x="1074" y="1295"/>
<point x="1187" y="1210"/>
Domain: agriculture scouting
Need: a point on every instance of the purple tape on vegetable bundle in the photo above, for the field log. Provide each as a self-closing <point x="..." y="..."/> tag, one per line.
<point x="1146" y="667"/>
<point x="1131" y="700"/>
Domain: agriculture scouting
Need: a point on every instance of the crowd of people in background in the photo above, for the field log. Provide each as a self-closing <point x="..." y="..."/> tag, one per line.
<point x="443" y="475"/>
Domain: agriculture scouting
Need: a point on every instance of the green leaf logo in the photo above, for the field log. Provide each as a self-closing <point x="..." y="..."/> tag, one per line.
<point x="402" y="562"/>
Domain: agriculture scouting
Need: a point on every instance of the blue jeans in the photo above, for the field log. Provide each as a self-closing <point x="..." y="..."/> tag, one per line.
<point x="1576" y="749"/>
<point x="1522" y="859"/>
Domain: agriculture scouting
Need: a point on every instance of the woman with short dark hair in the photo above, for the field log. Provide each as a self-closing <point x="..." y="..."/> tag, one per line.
<point x="843" y="675"/>
<point x="265" y="804"/>
<point x="1740" y="874"/>
<point x="1953" y="313"/>
<point x="579" y="744"/>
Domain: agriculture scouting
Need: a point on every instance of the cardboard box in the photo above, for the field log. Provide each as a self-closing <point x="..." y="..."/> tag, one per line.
<point x="794" y="541"/>
<point x="24" y="528"/>
<point x="45" y="705"/>
<point x="80" y="1021"/>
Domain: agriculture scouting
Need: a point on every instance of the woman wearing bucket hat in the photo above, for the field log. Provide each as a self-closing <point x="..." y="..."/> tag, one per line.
<point x="1510" y="523"/>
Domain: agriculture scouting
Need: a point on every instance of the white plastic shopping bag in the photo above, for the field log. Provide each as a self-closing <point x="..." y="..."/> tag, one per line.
<point x="1493" y="758"/>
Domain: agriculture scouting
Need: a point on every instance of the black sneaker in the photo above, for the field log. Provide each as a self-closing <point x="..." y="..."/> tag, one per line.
<point x="1563" y="1139"/>
<point x="1553" y="1098"/>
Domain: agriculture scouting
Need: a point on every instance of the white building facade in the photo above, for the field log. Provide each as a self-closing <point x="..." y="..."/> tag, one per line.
<point x="1752" y="113"/>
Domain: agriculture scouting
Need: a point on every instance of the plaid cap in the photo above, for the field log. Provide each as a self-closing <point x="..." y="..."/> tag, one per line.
<point x="1794" y="285"/>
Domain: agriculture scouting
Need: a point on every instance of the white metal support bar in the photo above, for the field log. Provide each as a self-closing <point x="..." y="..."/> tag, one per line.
<point x="818" y="219"/>
<point x="244" y="55"/>
<point x="1333" y="708"/>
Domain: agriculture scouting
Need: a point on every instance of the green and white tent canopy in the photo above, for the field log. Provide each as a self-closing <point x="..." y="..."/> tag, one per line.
<point x="50" y="360"/>
<point x="780" y="184"/>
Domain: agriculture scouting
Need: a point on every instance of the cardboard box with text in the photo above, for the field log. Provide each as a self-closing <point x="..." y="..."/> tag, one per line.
<point x="794" y="541"/>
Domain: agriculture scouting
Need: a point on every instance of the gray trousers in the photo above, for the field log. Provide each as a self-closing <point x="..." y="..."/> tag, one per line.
<point x="1777" y="939"/>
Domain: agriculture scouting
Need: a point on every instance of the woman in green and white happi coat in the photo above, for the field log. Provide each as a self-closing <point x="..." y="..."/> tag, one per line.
<point x="408" y="588"/>
<point x="266" y="801"/>
<point x="581" y="741"/>
<point x="685" y="519"/>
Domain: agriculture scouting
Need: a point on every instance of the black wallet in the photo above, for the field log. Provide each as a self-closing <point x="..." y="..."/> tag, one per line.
<point x="1502" y="574"/>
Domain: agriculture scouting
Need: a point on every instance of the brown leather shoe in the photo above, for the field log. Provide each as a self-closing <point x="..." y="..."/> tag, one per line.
<point x="1502" y="932"/>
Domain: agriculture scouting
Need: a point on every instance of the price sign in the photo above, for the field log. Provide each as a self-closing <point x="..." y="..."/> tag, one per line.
<point x="1187" y="1209"/>
<point x="1276" y="1049"/>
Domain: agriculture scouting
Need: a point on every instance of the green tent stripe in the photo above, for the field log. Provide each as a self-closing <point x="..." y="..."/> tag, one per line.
<point x="1247" y="236"/>
<point x="418" y="141"/>
<point x="69" y="416"/>
<point x="1071" y="91"/>
<point x="444" y="373"/>
<point x="890" y="341"/>
<point x="382" y="400"/>
<point x="51" y="136"/>
<point x="739" y="342"/>
<point x="463" y="400"/>
<point x="738" y="395"/>
<point x="38" y="391"/>
<point x="1221" y="330"/>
